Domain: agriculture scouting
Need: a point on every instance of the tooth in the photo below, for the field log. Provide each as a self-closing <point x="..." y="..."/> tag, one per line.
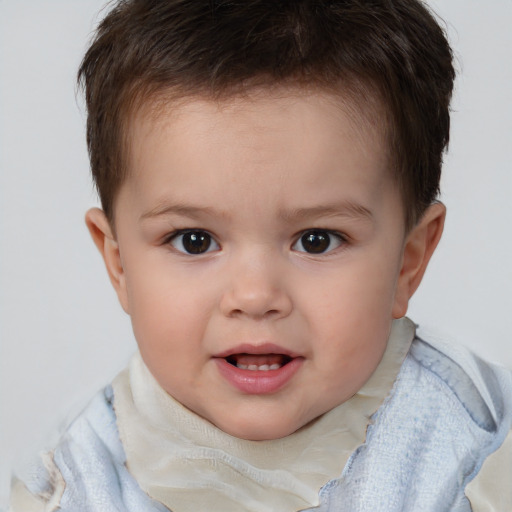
<point x="254" y="367"/>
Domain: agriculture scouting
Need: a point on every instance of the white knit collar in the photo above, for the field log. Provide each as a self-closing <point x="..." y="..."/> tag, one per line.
<point x="188" y="464"/>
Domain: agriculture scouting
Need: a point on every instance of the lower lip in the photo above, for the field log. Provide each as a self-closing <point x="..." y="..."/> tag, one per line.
<point x="258" y="382"/>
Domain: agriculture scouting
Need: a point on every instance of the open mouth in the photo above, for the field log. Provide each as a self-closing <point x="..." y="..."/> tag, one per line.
<point x="258" y="369"/>
<point x="258" y="362"/>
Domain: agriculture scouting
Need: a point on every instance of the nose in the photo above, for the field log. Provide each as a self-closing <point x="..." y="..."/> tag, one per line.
<point x="256" y="290"/>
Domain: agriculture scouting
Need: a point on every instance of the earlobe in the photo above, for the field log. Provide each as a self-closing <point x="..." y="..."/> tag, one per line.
<point x="104" y="239"/>
<point x="418" y="249"/>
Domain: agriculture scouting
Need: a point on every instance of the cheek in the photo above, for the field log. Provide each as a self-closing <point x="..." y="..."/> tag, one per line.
<point x="350" y="314"/>
<point x="166" y="308"/>
<point x="358" y="289"/>
<point x="169" y="322"/>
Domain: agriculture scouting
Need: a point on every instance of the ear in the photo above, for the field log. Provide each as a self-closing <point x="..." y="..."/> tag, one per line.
<point x="418" y="249"/>
<point x="103" y="237"/>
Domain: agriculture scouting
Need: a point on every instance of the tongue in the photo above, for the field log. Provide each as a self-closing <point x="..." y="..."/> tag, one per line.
<point x="258" y="360"/>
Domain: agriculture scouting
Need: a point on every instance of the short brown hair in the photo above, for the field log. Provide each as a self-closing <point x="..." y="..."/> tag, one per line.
<point x="393" y="48"/>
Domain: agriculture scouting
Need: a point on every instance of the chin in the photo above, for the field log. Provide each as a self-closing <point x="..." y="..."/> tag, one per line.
<point x="258" y="431"/>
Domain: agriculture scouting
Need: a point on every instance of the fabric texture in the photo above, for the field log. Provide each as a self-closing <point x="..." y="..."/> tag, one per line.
<point x="445" y="423"/>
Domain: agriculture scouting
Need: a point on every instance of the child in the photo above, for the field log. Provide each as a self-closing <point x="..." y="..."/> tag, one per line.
<point x="268" y="174"/>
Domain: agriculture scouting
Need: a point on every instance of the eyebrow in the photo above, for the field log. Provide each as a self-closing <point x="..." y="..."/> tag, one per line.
<point x="183" y="210"/>
<point x="344" y="209"/>
<point x="347" y="209"/>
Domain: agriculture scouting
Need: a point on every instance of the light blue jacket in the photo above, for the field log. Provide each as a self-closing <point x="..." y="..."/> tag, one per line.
<point x="443" y="418"/>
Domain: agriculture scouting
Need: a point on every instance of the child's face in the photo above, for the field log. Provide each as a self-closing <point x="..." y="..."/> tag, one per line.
<point x="265" y="233"/>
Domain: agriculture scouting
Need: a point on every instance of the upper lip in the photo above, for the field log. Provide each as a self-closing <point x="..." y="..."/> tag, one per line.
<point x="258" y="349"/>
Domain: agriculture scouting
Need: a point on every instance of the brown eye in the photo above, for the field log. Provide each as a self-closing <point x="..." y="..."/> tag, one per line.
<point x="194" y="242"/>
<point x="318" y="241"/>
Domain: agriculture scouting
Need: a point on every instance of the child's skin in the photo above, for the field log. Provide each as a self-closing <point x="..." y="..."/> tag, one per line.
<point x="301" y="250"/>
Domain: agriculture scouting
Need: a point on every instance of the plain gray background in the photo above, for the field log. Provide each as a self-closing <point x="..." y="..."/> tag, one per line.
<point x="62" y="333"/>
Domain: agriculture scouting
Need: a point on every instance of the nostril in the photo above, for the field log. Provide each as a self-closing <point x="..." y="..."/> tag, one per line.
<point x="255" y="300"/>
<point x="256" y="314"/>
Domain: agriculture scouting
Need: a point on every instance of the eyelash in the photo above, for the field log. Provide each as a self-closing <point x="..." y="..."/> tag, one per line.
<point x="332" y="236"/>
<point x="173" y="237"/>
<point x="205" y="241"/>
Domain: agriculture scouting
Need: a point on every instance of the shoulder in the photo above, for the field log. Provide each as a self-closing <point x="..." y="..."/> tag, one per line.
<point x="450" y="395"/>
<point x="436" y="432"/>
<point x="86" y="471"/>
<point x="453" y="376"/>
<point x="447" y="391"/>
<point x="484" y="393"/>
<point x="445" y="428"/>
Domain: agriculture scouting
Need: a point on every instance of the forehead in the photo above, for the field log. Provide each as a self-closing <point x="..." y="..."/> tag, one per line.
<point x="260" y="109"/>
<point x="283" y="128"/>
<point x="280" y="150"/>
